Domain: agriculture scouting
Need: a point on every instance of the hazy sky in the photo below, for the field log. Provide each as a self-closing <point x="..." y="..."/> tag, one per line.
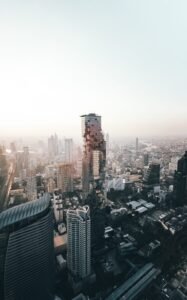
<point x="123" y="59"/>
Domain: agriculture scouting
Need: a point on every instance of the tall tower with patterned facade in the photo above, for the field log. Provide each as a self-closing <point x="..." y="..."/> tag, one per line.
<point x="94" y="154"/>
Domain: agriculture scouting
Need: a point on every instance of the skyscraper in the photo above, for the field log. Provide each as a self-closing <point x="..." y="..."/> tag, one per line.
<point x="146" y="159"/>
<point x="65" y="178"/>
<point x="79" y="242"/>
<point x="26" y="251"/>
<point x="152" y="176"/>
<point x="94" y="155"/>
<point x="137" y="145"/>
<point x="26" y="164"/>
<point x="31" y="189"/>
<point x="180" y="181"/>
<point x="69" y="151"/>
<point x="53" y="146"/>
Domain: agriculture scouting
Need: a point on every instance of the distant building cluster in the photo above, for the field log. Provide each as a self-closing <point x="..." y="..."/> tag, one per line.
<point x="96" y="223"/>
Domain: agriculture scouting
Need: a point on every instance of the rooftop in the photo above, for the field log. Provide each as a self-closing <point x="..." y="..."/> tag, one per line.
<point x="90" y="115"/>
<point x="82" y="212"/>
<point x="24" y="211"/>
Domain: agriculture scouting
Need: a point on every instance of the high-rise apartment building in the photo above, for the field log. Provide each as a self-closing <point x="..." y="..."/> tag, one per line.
<point x="65" y="178"/>
<point x="180" y="181"/>
<point x="79" y="242"/>
<point x="26" y="251"/>
<point x="69" y="151"/>
<point x="94" y="155"/>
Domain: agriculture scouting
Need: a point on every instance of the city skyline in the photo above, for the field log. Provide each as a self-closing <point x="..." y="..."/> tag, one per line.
<point x="124" y="61"/>
<point x="93" y="150"/>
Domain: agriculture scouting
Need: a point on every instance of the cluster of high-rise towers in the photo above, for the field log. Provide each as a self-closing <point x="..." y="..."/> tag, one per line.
<point x="26" y="230"/>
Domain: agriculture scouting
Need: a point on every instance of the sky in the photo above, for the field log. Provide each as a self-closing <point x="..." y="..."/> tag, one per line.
<point x="125" y="60"/>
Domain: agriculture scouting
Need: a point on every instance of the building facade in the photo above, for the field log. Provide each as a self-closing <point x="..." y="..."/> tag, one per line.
<point x="152" y="176"/>
<point x="26" y="251"/>
<point x="26" y="159"/>
<point x="65" y="178"/>
<point x="69" y="151"/>
<point x="31" y="188"/>
<point x="79" y="242"/>
<point x="180" y="181"/>
<point x="146" y="159"/>
<point x="94" y="154"/>
<point x="137" y="145"/>
<point x="107" y="144"/>
<point x="53" y="146"/>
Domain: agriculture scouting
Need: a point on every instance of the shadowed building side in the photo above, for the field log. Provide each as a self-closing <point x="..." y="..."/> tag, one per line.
<point x="180" y="184"/>
<point x="27" y="251"/>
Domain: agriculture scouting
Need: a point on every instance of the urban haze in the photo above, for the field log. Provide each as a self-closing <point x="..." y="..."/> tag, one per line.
<point x="93" y="150"/>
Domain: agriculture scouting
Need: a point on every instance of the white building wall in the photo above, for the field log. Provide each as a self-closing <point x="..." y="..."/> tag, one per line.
<point x="79" y="243"/>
